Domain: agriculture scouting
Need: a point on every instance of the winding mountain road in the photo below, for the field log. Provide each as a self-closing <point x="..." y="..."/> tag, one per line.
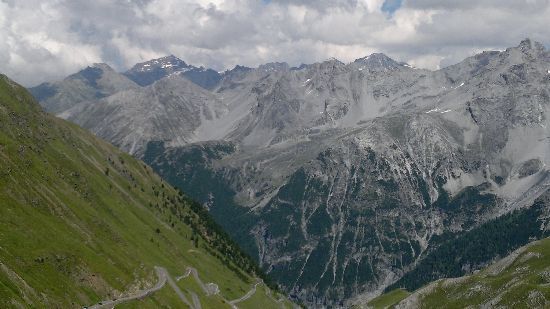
<point x="245" y="296"/>
<point x="162" y="275"/>
<point x="180" y="294"/>
<point x="208" y="288"/>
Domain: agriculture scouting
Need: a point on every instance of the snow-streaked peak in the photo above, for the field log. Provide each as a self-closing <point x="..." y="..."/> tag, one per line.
<point x="170" y="62"/>
<point x="148" y="72"/>
<point x="379" y="61"/>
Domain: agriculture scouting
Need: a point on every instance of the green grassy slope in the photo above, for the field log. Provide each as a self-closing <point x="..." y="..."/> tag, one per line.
<point x="455" y="255"/>
<point x="389" y="299"/>
<point x="521" y="280"/>
<point x="82" y="222"/>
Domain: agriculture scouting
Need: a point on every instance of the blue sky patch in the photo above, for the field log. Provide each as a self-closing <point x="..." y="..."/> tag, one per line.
<point x="390" y="6"/>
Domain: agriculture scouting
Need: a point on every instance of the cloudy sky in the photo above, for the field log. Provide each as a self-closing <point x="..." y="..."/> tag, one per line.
<point x="49" y="39"/>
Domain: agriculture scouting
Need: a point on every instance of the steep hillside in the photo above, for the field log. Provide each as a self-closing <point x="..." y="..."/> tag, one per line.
<point x="82" y="223"/>
<point x="520" y="280"/>
<point x="468" y="252"/>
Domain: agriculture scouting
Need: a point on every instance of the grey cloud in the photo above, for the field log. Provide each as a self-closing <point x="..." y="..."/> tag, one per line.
<point x="44" y="40"/>
<point x="473" y="4"/>
<point x="320" y="5"/>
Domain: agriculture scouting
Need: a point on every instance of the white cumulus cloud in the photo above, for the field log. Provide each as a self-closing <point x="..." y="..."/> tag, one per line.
<point x="48" y="39"/>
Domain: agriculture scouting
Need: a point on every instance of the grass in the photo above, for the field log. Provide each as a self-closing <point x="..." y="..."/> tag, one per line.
<point x="521" y="280"/>
<point x="524" y="283"/>
<point x="389" y="299"/>
<point x="165" y="298"/>
<point x="262" y="299"/>
<point x="82" y="222"/>
<point x="212" y="301"/>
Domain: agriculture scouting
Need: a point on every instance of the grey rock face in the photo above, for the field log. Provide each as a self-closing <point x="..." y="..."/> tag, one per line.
<point x="92" y="83"/>
<point x="379" y="62"/>
<point x="168" y="110"/>
<point x="339" y="177"/>
<point x="530" y="167"/>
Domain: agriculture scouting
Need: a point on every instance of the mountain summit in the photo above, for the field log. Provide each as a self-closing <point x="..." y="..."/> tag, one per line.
<point x="379" y="62"/>
<point x="148" y="72"/>
<point x="91" y="83"/>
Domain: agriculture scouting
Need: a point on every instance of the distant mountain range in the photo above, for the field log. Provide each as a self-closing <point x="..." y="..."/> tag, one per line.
<point x="340" y="179"/>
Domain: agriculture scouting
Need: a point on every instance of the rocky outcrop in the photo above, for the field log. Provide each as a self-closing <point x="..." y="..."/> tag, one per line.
<point x="92" y="83"/>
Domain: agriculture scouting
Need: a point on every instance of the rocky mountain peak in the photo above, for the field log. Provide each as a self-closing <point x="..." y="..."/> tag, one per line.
<point x="379" y="61"/>
<point x="329" y="64"/>
<point x="171" y="63"/>
<point x="93" y="73"/>
<point x="300" y="67"/>
<point x="93" y="82"/>
<point x="531" y="47"/>
<point x="238" y="70"/>
<point x="146" y="73"/>
<point x="333" y="60"/>
<point x="102" y="66"/>
<point x="274" y="67"/>
<point x="528" y="44"/>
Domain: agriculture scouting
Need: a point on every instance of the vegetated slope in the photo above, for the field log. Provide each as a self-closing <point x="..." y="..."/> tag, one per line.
<point x="476" y="249"/>
<point x="386" y="300"/>
<point x="520" y="280"/>
<point x="457" y="254"/>
<point x="82" y="222"/>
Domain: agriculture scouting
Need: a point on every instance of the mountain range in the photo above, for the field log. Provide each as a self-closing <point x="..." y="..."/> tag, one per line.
<point x="341" y="180"/>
